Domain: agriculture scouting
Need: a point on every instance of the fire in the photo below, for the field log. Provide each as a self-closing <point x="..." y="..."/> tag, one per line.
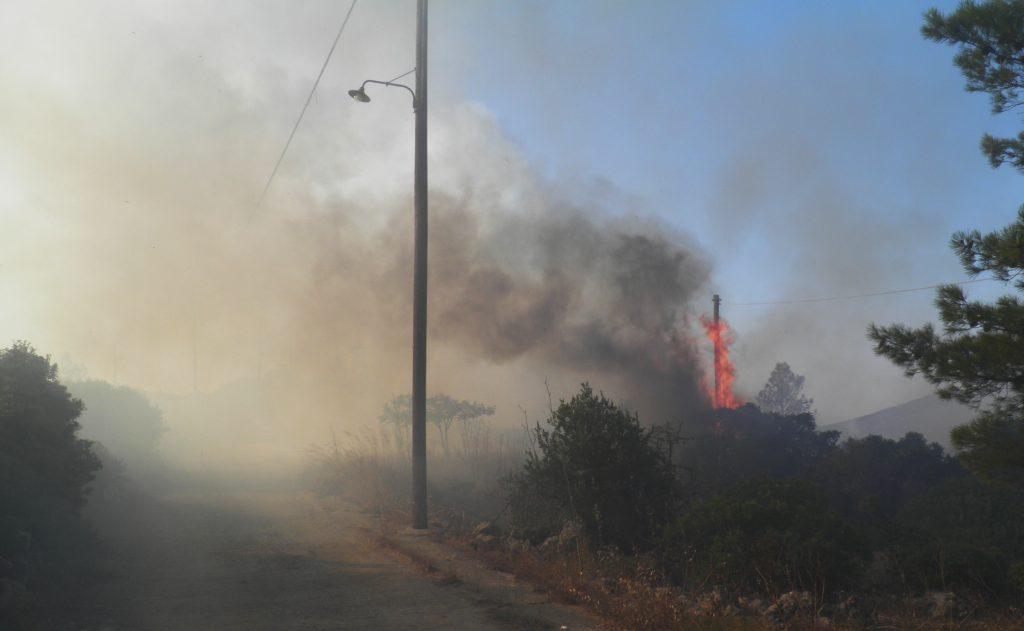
<point x="721" y="336"/>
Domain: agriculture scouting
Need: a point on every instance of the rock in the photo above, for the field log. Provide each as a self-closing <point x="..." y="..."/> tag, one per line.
<point x="709" y="603"/>
<point x="788" y="604"/>
<point x="485" y="542"/>
<point x="570" y="533"/>
<point x="519" y="546"/>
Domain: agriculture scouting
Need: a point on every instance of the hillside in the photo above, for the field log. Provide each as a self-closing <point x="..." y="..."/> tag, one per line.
<point x="929" y="415"/>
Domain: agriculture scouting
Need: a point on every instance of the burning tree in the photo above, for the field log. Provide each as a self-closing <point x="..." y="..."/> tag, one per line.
<point x="721" y="336"/>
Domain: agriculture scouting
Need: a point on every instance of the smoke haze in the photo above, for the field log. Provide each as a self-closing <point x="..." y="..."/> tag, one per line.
<point x="579" y="222"/>
<point x="135" y="151"/>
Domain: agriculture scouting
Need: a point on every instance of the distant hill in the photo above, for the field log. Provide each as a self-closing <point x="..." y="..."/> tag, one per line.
<point x="929" y="416"/>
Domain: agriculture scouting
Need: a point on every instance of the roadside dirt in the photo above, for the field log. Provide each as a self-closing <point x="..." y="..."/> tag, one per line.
<point x="284" y="561"/>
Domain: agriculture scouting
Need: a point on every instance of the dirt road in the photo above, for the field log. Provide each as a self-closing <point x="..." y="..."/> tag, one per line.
<point x="273" y="561"/>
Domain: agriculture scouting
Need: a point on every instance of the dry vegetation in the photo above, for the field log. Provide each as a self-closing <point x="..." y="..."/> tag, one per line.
<point x="470" y="513"/>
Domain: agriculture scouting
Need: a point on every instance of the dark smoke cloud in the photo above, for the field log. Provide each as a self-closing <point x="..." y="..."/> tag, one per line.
<point x="576" y="290"/>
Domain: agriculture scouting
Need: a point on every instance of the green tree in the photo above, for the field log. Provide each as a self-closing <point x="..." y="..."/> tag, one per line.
<point x="783" y="394"/>
<point x="991" y="57"/>
<point x="978" y="356"/>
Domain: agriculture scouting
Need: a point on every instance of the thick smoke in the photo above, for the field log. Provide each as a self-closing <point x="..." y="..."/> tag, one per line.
<point x="135" y="164"/>
<point x="569" y="288"/>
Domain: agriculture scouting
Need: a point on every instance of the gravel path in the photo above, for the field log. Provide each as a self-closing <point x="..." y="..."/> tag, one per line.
<point x="271" y="561"/>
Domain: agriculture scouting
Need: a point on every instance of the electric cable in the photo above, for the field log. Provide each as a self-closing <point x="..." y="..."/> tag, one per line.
<point x="309" y="98"/>
<point x="855" y="296"/>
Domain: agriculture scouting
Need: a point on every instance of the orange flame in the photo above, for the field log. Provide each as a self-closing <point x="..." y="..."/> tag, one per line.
<point x="721" y="337"/>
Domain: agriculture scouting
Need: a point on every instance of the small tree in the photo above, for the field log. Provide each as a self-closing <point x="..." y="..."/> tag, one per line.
<point x="442" y="411"/>
<point x="783" y="393"/>
<point x="472" y="430"/>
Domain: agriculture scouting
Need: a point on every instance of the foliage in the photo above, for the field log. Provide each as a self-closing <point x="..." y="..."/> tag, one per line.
<point x="596" y="464"/>
<point x="993" y="444"/>
<point x="443" y="411"/>
<point x="397" y="414"/>
<point x="121" y="418"/>
<point x="783" y="393"/>
<point x="991" y="57"/>
<point x="764" y="536"/>
<point x="871" y="479"/>
<point x="745" y="443"/>
<point x="44" y="466"/>
<point x="978" y="357"/>
<point x="961" y="533"/>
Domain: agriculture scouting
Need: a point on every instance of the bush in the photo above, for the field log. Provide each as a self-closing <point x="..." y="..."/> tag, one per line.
<point x="766" y="535"/>
<point x="44" y="466"/>
<point x="596" y="464"/>
<point x="962" y="533"/>
<point x="122" y="419"/>
<point x="871" y="479"/>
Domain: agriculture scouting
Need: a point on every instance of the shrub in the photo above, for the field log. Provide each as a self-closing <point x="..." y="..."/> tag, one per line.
<point x="44" y="466"/>
<point x="765" y="535"/>
<point x="963" y="533"/>
<point x="732" y="446"/>
<point x="596" y="464"/>
<point x="871" y="479"/>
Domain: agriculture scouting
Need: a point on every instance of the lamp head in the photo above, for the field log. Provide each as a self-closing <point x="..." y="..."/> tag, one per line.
<point x="360" y="95"/>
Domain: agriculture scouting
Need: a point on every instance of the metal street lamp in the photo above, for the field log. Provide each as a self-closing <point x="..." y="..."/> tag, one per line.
<point x="419" y="284"/>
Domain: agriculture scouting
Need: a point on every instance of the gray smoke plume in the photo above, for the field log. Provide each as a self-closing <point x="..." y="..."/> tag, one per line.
<point x="139" y="253"/>
<point x="573" y="288"/>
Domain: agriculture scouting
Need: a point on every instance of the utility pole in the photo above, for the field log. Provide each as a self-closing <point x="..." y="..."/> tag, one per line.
<point x="419" y="287"/>
<point x="195" y="343"/>
<point x="419" y="271"/>
<point x="716" y="301"/>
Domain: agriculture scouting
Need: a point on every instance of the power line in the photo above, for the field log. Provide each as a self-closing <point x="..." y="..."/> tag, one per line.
<point x="309" y="98"/>
<point x="404" y="74"/>
<point x="853" y="297"/>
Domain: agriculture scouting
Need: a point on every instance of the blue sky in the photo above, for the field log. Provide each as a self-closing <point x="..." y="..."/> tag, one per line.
<point x="812" y="149"/>
<point x="807" y="148"/>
